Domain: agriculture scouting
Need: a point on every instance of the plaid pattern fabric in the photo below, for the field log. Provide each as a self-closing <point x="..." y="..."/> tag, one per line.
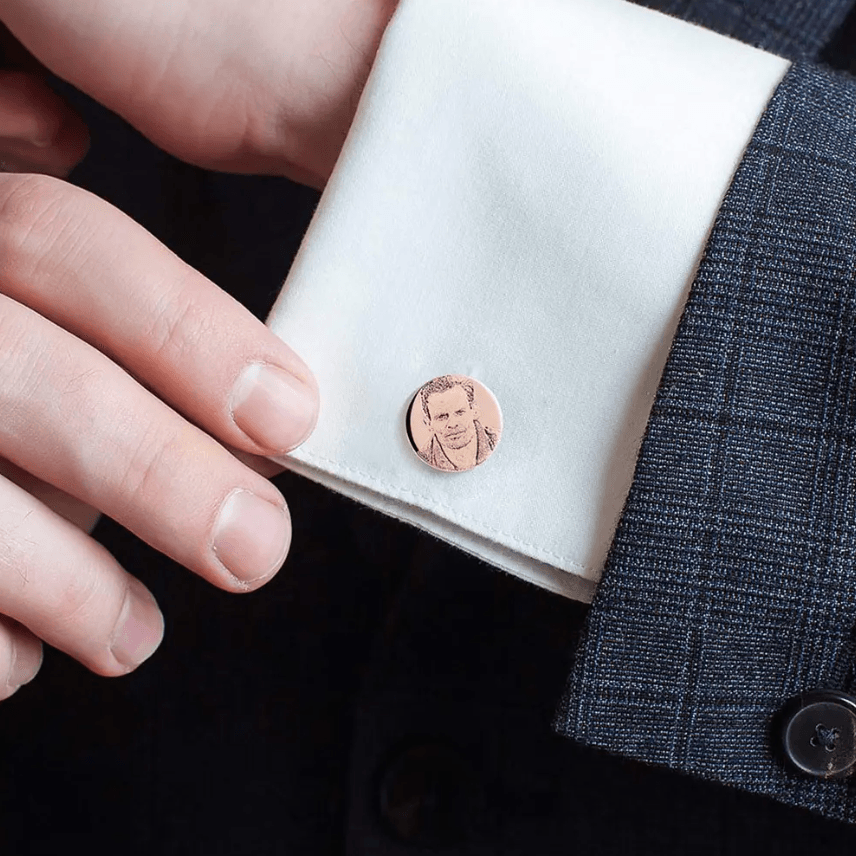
<point x="731" y="583"/>
<point x="790" y="28"/>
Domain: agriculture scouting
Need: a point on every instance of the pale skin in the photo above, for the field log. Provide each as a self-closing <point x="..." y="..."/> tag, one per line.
<point x="119" y="366"/>
<point x="452" y="421"/>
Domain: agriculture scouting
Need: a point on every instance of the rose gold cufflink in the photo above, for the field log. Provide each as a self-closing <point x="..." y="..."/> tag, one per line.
<point x="454" y="423"/>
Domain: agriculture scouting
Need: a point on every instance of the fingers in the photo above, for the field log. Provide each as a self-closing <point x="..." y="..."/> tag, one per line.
<point x="188" y="341"/>
<point x="20" y="656"/>
<point x="39" y="132"/>
<point x="85" y="273"/>
<point x="75" y="419"/>
<point x="85" y="517"/>
<point x="265" y="467"/>
<point x="69" y="591"/>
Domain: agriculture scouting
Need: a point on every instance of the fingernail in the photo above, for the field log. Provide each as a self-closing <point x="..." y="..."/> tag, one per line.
<point x="26" y="663"/>
<point x="42" y="142"/>
<point x="139" y="629"/>
<point x="274" y="408"/>
<point x="252" y="536"/>
<point x="7" y="165"/>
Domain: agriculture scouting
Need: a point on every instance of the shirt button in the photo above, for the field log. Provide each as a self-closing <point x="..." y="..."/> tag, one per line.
<point x="454" y="423"/>
<point x="818" y="732"/>
<point x="431" y="796"/>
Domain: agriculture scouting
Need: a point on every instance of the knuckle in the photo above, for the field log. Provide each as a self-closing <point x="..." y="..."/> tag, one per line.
<point x="27" y="363"/>
<point x="74" y="606"/>
<point x="141" y="467"/>
<point x="146" y="474"/>
<point x="80" y="600"/>
<point x="83" y="615"/>
<point x="36" y="217"/>
<point x="178" y="324"/>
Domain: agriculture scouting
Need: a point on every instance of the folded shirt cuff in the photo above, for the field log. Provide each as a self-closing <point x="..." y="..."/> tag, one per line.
<point x="523" y="199"/>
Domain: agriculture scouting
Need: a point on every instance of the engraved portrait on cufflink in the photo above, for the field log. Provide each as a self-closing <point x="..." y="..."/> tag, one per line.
<point x="454" y="423"/>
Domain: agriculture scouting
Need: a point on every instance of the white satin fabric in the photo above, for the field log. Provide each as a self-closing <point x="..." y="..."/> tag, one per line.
<point x="523" y="198"/>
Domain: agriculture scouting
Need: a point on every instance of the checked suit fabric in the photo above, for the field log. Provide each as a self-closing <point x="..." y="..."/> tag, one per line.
<point x="731" y="583"/>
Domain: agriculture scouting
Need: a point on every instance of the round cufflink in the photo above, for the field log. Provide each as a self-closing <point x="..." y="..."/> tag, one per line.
<point x="454" y="423"/>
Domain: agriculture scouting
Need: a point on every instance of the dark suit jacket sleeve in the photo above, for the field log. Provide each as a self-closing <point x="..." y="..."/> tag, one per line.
<point x="731" y="583"/>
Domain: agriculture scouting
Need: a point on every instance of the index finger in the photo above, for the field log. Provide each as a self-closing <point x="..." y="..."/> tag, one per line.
<point x="90" y="269"/>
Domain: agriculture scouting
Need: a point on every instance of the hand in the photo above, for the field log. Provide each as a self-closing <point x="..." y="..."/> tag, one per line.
<point x="121" y="385"/>
<point x="266" y="87"/>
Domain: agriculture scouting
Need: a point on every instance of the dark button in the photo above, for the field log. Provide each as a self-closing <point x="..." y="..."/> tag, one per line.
<point x="818" y="733"/>
<point x="431" y="796"/>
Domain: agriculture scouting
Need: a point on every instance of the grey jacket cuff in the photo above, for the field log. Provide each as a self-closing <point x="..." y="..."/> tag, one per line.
<point x="730" y="586"/>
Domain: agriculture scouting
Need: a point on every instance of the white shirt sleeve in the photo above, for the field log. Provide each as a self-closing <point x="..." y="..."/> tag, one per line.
<point x="523" y="198"/>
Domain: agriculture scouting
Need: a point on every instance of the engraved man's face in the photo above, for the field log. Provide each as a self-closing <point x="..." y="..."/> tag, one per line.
<point x="451" y="417"/>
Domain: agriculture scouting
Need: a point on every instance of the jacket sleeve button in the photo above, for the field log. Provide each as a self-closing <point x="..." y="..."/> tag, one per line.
<point x="818" y="733"/>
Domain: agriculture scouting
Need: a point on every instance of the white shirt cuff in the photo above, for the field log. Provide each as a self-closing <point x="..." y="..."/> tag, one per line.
<point x="523" y="198"/>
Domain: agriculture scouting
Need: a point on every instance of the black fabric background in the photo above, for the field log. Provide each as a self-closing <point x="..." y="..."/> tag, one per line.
<point x="272" y="723"/>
